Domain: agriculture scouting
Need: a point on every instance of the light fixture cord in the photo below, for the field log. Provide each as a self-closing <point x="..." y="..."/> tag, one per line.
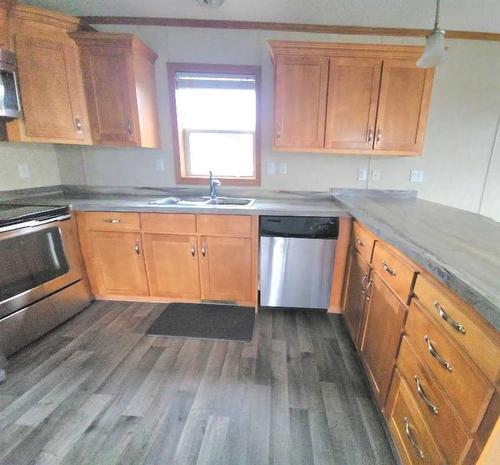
<point x="436" y="23"/>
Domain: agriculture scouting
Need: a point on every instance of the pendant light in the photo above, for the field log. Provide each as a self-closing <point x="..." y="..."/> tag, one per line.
<point x="210" y="3"/>
<point x="434" y="52"/>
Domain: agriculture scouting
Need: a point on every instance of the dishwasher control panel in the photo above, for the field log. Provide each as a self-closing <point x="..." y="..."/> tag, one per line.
<point x="312" y="227"/>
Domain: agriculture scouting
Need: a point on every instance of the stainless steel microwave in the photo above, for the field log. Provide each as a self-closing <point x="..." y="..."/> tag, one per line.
<point x="10" y="104"/>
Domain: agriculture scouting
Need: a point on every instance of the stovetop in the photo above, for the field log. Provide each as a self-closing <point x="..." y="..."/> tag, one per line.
<point x="14" y="214"/>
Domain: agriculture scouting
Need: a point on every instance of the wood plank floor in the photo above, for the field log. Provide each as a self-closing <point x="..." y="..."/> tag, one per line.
<point x="97" y="390"/>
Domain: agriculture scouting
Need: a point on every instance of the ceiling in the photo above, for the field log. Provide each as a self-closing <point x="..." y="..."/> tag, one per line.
<point x="468" y="15"/>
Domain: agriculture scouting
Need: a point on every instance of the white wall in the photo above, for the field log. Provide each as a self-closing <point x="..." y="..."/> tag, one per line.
<point x="42" y="165"/>
<point x="462" y="122"/>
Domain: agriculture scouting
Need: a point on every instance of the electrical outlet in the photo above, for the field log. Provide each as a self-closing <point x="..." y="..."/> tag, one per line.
<point x="376" y="174"/>
<point x="24" y="171"/>
<point x="416" y="176"/>
<point x="362" y="174"/>
<point x="282" y="168"/>
<point x="270" y="168"/>
<point x="160" y="164"/>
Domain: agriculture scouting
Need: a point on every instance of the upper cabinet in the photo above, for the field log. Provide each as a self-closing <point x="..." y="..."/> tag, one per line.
<point x="120" y="88"/>
<point x="343" y="98"/>
<point x="50" y="78"/>
<point x="300" y="121"/>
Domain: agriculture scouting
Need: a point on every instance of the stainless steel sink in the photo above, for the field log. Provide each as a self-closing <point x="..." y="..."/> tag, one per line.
<point x="200" y="201"/>
<point x="230" y="201"/>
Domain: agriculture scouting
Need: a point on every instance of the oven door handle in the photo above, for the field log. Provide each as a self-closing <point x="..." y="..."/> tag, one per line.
<point x="34" y="223"/>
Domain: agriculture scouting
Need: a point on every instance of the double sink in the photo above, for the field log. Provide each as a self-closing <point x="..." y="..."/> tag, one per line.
<point x="203" y="201"/>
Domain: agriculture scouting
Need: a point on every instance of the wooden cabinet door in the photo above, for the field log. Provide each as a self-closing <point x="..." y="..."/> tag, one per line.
<point x="300" y="107"/>
<point x="384" y="321"/>
<point x="353" y="88"/>
<point x="355" y="293"/>
<point x="51" y="86"/>
<point x="172" y="264"/>
<point x="110" y="88"/>
<point x="118" y="263"/>
<point x="404" y="100"/>
<point x="226" y="268"/>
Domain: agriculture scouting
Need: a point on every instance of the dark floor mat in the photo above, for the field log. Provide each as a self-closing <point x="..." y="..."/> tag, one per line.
<point x="205" y="321"/>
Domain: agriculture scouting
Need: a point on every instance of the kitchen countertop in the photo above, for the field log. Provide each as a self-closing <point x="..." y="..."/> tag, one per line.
<point x="459" y="248"/>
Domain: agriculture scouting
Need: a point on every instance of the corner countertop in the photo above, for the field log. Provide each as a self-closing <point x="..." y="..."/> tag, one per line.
<point x="461" y="249"/>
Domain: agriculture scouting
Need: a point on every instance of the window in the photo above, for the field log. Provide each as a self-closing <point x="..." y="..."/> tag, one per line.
<point x="215" y="117"/>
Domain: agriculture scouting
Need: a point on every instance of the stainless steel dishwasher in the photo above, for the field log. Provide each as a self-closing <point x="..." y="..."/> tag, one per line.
<point x="296" y="261"/>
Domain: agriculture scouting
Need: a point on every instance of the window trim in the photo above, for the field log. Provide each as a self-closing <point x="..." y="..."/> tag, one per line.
<point x="179" y="156"/>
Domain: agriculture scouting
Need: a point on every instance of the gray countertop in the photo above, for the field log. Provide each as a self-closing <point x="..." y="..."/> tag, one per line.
<point x="459" y="248"/>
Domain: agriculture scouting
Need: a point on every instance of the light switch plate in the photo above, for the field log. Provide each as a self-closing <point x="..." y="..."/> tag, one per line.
<point x="362" y="174"/>
<point x="270" y="168"/>
<point x="24" y="171"/>
<point x="282" y="168"/>
<point x="376" y="174"/>
<point x="160" y="164"/>
<point x="416" y="176"/>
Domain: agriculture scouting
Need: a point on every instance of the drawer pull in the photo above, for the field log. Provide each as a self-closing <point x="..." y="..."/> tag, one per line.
<point x="413" y="442"/>
<point x="435" y="354"/>
<point x="360" y="242"/>
<point x="112" y="220"/>
<point x="388" y="269"/>
<point x="424" y="397"/>
<point x="454" y="324"/>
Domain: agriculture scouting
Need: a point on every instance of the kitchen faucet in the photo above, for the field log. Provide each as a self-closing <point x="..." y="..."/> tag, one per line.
<point x="214" y="183"/>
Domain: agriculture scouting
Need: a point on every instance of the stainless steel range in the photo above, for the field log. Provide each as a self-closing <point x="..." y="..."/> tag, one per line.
<point x="41" y="279"/>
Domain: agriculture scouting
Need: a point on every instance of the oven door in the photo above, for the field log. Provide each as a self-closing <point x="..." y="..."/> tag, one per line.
<point x="37" y="262"/>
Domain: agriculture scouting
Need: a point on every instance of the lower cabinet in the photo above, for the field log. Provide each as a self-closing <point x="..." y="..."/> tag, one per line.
<point x="408" y="429"/>
<point x="431" y="360"/>
<point x="358" y="273"/>
<point x="168" y="256"/>
<point x="226" y="268"/>
<point x="117" y="263"/>
<point x="172" y="265"/>
<point x="384" y="320"/>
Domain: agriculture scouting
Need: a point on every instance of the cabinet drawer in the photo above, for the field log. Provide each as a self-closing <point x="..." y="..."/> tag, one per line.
<point x="457" y="319"/>
<point x="111" y="221"/>
<point x="363" y="241"/>
<point x="394" y="270"/>
<point x="466" y="387"/>
<point x="225" y="225"/>
<point x="408" y="429"/>
<point x="444" y="424"/>
<point x="168" y="223"/>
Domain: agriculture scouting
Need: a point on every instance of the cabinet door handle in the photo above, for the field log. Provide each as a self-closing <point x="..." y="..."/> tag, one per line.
<point x="278" y="132"/>
<point x="370" y="135"/>
<point x="368" y="288"/>
<point x="424" y="397"/>
<point x="454" y="324"/>
<point x="129" y="127"/>
<point x="388" y="269"/>
<point x="413" y="442"/>
<point x="78" y="125"/>
<point x="360" y="242"/>
<point x="363" y="280"/>
<point x="193" y="249"/>
<point x="137" y="248"/>
<point x="379" y="134"/>
<point x="432" y="350"/>
<point x="112" y="220"/>
<point x="204" y="249"/>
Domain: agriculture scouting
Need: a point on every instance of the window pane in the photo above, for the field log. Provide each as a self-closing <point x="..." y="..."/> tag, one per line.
<point x="224" y="109"/>
<point x="226" y="154"/>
